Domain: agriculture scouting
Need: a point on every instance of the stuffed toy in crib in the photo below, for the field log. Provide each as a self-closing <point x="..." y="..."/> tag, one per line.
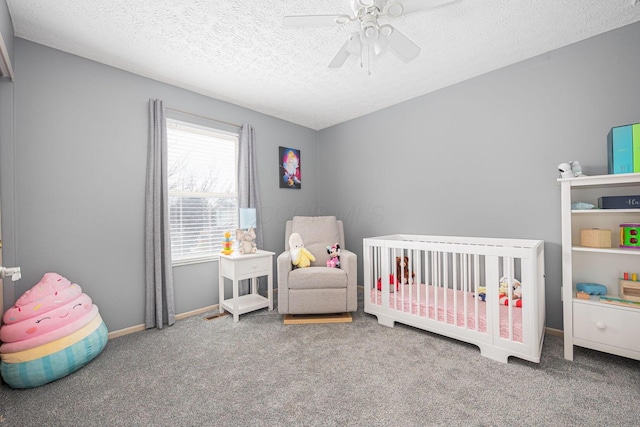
<point x="300" y="257"/>
<point x="402" y="270"/>
<point x="334" y="256"/>
<point x="392" y="280"/>
<point x="402" y="274"/>
<point x="516" y="293"/>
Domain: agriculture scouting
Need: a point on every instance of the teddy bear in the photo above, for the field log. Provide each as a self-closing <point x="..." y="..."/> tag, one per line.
<point x="334" y="256"/>
<point x="402" y="270"/>
<point x="300" y="256"/>
<point x="245" y="241"/>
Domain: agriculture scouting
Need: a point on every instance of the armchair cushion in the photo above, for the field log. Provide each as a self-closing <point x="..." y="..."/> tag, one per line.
<point x="317" y="278"/>
<point x="317" y="232"/>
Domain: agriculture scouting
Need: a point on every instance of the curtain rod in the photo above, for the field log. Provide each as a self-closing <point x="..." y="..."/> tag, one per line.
<point x="203" y="117"/>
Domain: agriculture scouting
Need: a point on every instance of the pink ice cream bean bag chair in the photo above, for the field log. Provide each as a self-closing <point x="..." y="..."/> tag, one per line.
<point x="52" y="330"/>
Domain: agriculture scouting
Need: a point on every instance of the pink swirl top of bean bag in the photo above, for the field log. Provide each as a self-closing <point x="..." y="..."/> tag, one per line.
<point x="52" y="308"/>
<point x="68" y="329"/>
<point x="49" y="284"/>
<point x="47" y="321"/>
<point x="45" y="303"/>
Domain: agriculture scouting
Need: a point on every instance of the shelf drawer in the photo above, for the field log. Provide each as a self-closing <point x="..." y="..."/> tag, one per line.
<point x="254" y="267"/>
<point x="608" y="325"/>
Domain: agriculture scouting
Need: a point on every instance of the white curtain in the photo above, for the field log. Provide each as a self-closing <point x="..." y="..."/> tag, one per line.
<point x="248" y="191"/>
<point x="160" y="307"/>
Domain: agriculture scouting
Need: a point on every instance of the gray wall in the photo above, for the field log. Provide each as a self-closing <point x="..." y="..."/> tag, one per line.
<point x="480" y="158"/>
<point x="79" y="175"/>
<point x="6" y="151"/>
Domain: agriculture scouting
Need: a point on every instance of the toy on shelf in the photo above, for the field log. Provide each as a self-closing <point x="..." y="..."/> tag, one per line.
<point x="595" y="238"/>
<point x="227" y="244"/>
<point x="592" y="288"/>
<point x="630" y="236"/>
<point x="583" y="295"/>
<point x="571" y="169"/>
<point x="630" y="289"/>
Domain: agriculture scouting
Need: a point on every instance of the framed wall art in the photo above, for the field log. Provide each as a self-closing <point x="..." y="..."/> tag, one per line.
<point x="290" y="168"/>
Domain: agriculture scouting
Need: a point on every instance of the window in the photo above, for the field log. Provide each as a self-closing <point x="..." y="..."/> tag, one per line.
<point x="203" y="190"/>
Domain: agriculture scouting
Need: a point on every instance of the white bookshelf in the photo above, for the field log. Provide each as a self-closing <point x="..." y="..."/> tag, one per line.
<point x="590" y="323"/>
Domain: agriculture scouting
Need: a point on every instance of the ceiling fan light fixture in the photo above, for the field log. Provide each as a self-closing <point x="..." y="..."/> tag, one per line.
<point x="386" y="30"/>
<point x="393" y="9"/>
<point x="369" y="35"/>
<point x="366" y="3"/>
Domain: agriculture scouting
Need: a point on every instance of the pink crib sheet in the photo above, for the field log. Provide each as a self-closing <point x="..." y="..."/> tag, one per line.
<point x="407" y="302"/>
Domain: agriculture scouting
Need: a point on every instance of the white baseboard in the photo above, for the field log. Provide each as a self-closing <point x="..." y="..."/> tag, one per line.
<point x="199" y="311"/>
<point x="555" y="332"/>
<point x="138" y="328"/>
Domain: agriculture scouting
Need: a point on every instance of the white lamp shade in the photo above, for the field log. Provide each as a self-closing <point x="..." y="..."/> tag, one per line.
<point x="247" y="218"/>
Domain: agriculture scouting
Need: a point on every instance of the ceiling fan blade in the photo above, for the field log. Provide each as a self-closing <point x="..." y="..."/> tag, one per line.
<point x="404" y="48"/>
<point x="341" y="57"/>
<point x="315" y="20"/>
<point x="381" y="44"/>
<point x="412" y="6"/>
<point x="354" y="46"/>
<point x="351" y="47"/>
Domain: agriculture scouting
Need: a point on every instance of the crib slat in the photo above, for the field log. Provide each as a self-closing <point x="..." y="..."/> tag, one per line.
<point x="445" y="286"/>
<point x="455" y="257"/>
<point x="466" y="287"/>
<point x="510" y="278"/>
<point x="418" y="279"/>
<point x="476" y="278"/>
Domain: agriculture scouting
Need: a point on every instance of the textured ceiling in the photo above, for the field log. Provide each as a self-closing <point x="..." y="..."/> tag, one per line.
<point x="239" y="51"/>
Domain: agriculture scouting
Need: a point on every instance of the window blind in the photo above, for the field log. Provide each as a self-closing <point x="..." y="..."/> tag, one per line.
<point x="203" y="193"/>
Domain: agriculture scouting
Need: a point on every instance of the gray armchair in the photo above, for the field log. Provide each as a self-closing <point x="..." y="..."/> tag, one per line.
<point x="317" y="289"/>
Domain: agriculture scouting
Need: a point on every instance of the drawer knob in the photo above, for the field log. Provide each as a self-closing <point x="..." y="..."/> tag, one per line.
<point x="255" y="265"/>
<point x="600" y="325"/>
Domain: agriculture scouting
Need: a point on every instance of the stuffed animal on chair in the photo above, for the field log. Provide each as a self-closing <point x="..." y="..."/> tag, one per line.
<point x="334" y="256"/>
<point x="300" y="256"/>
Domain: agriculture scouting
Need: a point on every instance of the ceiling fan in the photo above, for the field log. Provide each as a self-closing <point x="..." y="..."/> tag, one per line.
<point x="372" y="38"/>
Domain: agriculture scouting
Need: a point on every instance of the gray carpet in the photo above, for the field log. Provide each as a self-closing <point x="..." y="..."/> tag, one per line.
<point x="260" y="372"/>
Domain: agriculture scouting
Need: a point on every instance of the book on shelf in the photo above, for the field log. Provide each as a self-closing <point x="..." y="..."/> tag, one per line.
<point x="619" y="301"/>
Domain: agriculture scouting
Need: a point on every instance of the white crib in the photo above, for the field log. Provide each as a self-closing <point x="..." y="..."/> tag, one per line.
<point x="440" y="291"/>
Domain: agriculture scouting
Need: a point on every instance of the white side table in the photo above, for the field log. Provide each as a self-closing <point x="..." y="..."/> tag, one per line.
<point x="240" y="267"/>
